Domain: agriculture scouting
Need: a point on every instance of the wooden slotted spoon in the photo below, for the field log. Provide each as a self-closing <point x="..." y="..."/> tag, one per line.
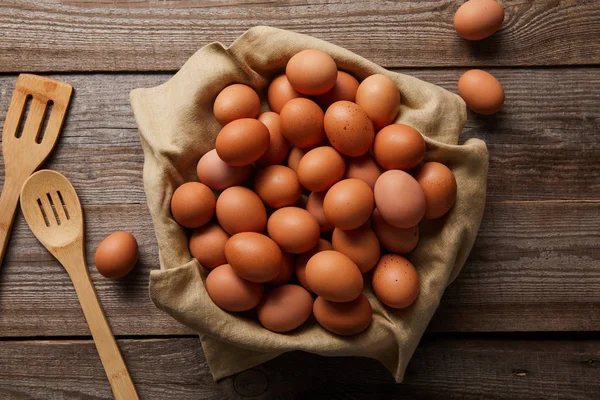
<point x="25" y="151"/>
<point x="53" y="212"/>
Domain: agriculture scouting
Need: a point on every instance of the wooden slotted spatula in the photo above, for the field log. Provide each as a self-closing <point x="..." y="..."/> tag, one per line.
<point x="53" y="212"/>
<point x="26" y="149"/>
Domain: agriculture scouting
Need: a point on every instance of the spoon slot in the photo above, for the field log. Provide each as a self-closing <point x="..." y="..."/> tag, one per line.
<point x="47" y="114"/>
<point x="23" y="118"/>
<point x="53" y="208"/>
<point x="46" y="220"/>
<point x="64" y="206"/>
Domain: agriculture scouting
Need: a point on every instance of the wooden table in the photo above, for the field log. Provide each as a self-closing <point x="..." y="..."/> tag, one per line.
<point x="521" y="321"/>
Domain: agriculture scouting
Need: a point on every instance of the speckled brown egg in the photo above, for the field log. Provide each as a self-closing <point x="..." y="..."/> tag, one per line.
<point x="311" y="72"/>
<point x="364" y="168"/>
<point x="235" y="102"/>
<point x="345" y="319"/>
<point x="379" y="96"/>
<point x="360" y="245"/>
<point x="348" y="129"/>
<point x="217" y="174"/>
<point x="280" y="92"/>
<point x="344" y="89"/>
<point x="277" y="186"/>
<point x="285" y="308"/>
<point x="239" y="209"/>
<point x="278" y="145"/>
<point x="243" y="141"/>
<point x="320" y="168"/>
<point x="481" y="91"/>
<point x="396" y="240"/>
<point x="399" y="199"/>
<point x="207" y="245"/>
<point x="116" y="255"/>
<point x="314" y="205"/>
<point x="294" y="158"/>
<point x="399" y="146"/>
<point x="302" y="123"/>
<point x="294" y="229"/>
<point x="253" y="256"/>
<point x="478" y="19"/>
<point x="348" y="204"/>
<point x="230" y="292"/>
<point x="334" y="276"/>
<point x="193" y="204"/>
<point x="439" y="185"/>
<point x="287" y="270"/>
<point x="395" y="281"/>
<point x="303" y="258"/>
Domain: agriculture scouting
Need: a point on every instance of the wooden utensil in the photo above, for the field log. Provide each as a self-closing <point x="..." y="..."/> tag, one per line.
<point x="53" y="212"/>
<point x="26" y="149"/>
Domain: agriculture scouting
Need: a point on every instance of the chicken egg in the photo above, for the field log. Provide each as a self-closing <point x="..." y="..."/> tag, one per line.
<point x="349" y="129"/>
<point x="235" y="102"/>
<point x="230" y="292"/>
<point x="302" y="123"/>
<point x="439" y="185"/>
<point x="294" y="229"/>
<point x="239" y="209"/>
<point x="364" y="168"/>
<point x="207" y="245"/>
<point x="399" y="199"/>
<point x="320" y="168"/>
<point x="311" y="72"/>
<point x="348" y="204"/>
<point x="360" y="245"/>
<point x="193" y="204"/>
<point x="303" y="258"/>
<point x="478" y="19"/>
<point x="396" y="240"/>
<point x="481" y="92"/>
<point x="217" y="174"/>
<point x="344" y="89"/>
<point x="243" y="141"/>
<point x="334" y="276"/>
<point x="253" y="256"/>
<point x="314" y="205"/>
<point x="395" y="281"/>
<point x="294" y="158"/>
<point x="278" y="144"/>
<point x="285" y="308"/>
<point x="277" y="186"/>
<point x="399" y="146"/>
<point x="379" y="97"/>
<point x="280" y="92"/>
<point x="348" y="318"/>
<point x="287" y="270"/>
<point x="116" y="255"/>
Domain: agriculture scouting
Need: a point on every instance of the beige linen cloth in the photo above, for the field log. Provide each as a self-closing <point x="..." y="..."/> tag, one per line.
<point x="177" y="127"/>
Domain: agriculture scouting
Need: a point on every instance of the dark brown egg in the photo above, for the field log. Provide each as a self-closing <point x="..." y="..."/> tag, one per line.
<point x="314" y="205"/>
<point x="294" y="158"/>
<point x="287" y="270"/>
<point x="285" y="308"/>
<point x="360" y="245"/>
<point x="116" y="255"/>
<point x="364" y="168"/>
<point x="348" y="318"/>
<point x="193" y="204"/>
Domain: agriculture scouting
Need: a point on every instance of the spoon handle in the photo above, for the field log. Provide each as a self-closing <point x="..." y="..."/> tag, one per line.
<point x="8" y="207"/>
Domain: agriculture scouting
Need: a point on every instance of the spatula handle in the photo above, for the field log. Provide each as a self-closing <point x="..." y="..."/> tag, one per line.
<point x="114" y="365"/>
<point x="8" y="207"/>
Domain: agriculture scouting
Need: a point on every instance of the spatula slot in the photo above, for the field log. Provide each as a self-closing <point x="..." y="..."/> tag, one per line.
<point x="46" y="220"/>
<point x="64" y="206"/>
<point x="24" y="114"/>
<point x="47" y="115"/>
<point x="53" y="208"/>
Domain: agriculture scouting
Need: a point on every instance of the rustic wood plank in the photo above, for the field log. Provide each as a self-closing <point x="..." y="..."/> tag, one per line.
<point x="440" y="368"/>
<point x="79" y="35"/>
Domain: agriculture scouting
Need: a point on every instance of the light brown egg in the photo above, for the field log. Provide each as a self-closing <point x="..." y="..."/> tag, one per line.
<point x="478" y="19"/>
<point x="303" y="258"/>
<point x="344" y="89"/>
<point x="278" y="145"/>
<point x="348" y="204"/>
<point x="311" y="72"/>
<point x="243" y="141"/>
<point x="334" y="276"/>
<point x="379" y="96"/>
<point x="193" y="204"/>
<point x="396" y="240"/>
<point x="280" y="92"/>
<point x="399" y="146"/>
<point x="360" y="245"/>
<point x="231" y="292"/>
<point x="217" y="174"/>
<point x="253" y="256"/>
<point x="285" y="308"/>
<point x="235" y="102"/>
<point x="314" y="205"/>
<point x="277" y="186"/>
<point x="395" y="281"/>
<point x="364" y="168"/>
<point x="345" y="319"/>
<point x="207" y="245"/>
<point x="294" y="158"/>
<point x="294" y="229"/>
<point x="481" y="91"/>
<point x="302" y="123"/>
<point x="439" y="185"/>
<point x="348" y="129"/>
<point x="287" y="270"/>
<point x="320" y="168"/>
<point x="399" y="199"/>
<point x="116" y="255"/>
<point x="239" y="209"/>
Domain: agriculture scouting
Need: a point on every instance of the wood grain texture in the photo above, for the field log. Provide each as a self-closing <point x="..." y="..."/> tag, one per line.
<point x="80" y="35"/>
<point x="440" y="368"/>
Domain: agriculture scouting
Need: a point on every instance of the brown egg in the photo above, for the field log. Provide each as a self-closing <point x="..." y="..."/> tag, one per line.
<point x="439" y="185"/>
<point x="311" y="72"/>
<point x="116" y="255"/>
<point x="314" y="205"/>
<point x="235" y="102"/>
<point x="364" y="168"/>
<point x="302" y="123"/>
<point x="295" y="230"/>
<point x="303" y="258"/>
<point x="287" y="271"/>
<point x="241" y="210"/>
<point x="344" y="89"/>
<point x="348" y="204"/>
<point x="379" y="96"/>
<point x="320" y="168"/>
<point x="360" y="245"/>
<point x="230" y="292"/>
<point x="278" y="145"/>
<point x="349" y="129"/>
<point x="253" y="256"/>
<point x="193" y="204"/>
<point x="207" y="245"/>
<point x="399" y="146"/>
<point x="399" y="198"/>
<point x="243" y="141"/>
<point x="285" y="308"/>
<point x="481" y="91"/>
<point x="478" y="19"/>
<point x="396" y="240"/>
<point x="280" y="92"/>
<point x="395" y="281"/>
<point x="294" y="158"/>
<point x="334" y="276"/>
<point x="277" y="186"/>
<point x="346" y="319"/>
<point x="217" y="174"/>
